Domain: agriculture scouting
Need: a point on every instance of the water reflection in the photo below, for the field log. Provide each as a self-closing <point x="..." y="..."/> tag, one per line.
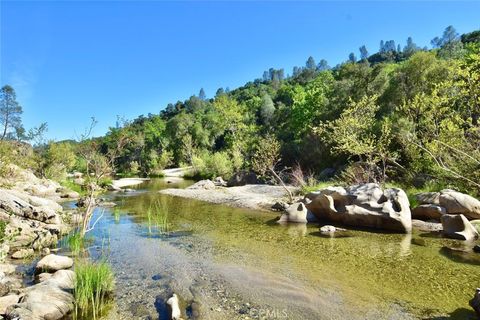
<point x="405" y="245"/>
<point x="295" y="229"/>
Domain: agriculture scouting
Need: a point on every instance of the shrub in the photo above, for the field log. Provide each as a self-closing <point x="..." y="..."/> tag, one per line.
<point x="208" y="165"/>
<point x="94" y="282"/>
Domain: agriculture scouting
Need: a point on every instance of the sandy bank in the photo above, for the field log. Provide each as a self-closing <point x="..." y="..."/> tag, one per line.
<point x="128" y="182"/>
<point x="176" y="172"/>
<point x="253" y="196"/>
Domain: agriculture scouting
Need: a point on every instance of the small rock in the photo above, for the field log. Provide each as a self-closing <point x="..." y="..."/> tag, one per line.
<point x="219" y="182"/>
<point x="7" y="301"/>
<point x="280" y="206"/>
<point x="7" y="268"/>
<point x="45" y="251"/>
<point x="43" y="276"/>
<point x="328" y="229"/>
<point x="107" y="204"/>
<point x="22" y="254"/>
<point x="53" y="262"/>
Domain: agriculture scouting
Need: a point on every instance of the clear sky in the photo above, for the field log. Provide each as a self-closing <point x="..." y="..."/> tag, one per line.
<point x="71" y="60"/>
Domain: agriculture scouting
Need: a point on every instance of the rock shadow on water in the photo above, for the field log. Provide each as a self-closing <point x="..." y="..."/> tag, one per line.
<point x="460" y="256"/>
<point x="161" y="307"/>
<point x="335" y="235"/>
<point x="458" y="314"/>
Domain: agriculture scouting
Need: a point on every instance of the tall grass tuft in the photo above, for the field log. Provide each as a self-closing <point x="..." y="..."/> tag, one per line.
<point x="76" y="243"/>
<point x="94" y="282"/>
<point x="157" y="218"/>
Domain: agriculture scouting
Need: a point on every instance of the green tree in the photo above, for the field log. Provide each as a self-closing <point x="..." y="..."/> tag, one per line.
<point x="363" y="53"/>
<point x="267" y="109"/>
<point x="10" y="111"/>
<point x="310" y="64"/>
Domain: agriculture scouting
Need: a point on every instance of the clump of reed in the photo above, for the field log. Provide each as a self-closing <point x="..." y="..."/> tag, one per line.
<point x="94" y="284"/>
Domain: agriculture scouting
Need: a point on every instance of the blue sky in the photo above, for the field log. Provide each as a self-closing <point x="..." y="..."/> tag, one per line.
<point x="70" y="60"/>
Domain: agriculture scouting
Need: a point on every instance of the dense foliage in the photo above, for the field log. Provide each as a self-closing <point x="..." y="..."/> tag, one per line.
<point x="407" y="114"/>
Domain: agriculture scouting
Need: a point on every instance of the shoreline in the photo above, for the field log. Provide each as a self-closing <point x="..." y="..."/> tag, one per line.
<point x="128" y="182"/>
<point x="251" y="196"/>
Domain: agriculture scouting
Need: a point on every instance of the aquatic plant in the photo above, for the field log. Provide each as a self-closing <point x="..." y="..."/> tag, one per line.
<point x="157" y="218"/>
<point x="116" y="214"/>
<point x="76" y="242"/>
<point x="94" y="282"/>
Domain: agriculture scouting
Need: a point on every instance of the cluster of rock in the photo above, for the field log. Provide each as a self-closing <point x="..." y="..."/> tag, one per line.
<point x="33" y="222"/>
<point x="50" y="299"/>
<point x="453" y="209"/>
<point x="364" y="205"/>
<point x="32" y="217"/>
<point x="367" y="205"/>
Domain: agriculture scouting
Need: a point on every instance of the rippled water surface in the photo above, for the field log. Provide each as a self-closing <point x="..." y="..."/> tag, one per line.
<point x="228" y="263"/>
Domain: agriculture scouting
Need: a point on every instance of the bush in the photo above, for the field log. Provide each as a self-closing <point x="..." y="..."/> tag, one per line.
<point x="94" y="282"/>
<point x="208" y="165"/>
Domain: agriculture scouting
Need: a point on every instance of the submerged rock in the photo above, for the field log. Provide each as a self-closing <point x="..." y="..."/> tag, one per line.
<point x="365" y="205"/>
<point x="458" y="227"/>
<point x="53" y="262"/>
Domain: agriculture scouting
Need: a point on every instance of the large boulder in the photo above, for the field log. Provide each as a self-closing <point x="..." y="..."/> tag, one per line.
<point x="13" y="204"/>
<point x="296" y="212"/>
<point x="458" y="227"/>
<point x="365" y="205"/>
<point x="475" y="302"/>
<point x="53" y="262"/>
<point x="453" y="201"/>
<point x="48" y="300"/>
<point x="242" y="178"/>
<point x="428" y="212"/>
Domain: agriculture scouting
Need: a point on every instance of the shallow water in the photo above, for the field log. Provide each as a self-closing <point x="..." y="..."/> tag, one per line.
<point x="228" y="263"/>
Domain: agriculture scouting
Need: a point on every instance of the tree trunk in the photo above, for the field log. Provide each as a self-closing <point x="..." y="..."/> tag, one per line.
<point x="282" y="183"/>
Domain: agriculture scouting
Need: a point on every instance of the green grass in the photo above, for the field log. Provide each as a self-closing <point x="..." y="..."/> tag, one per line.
<point x="3" y="225"/>
<point x="157" y="219"/>
<point x="317" y="186"/>
<point x="73" y="186"/>
<point x="116" y="214"/>
<point x="94" y="283"/>
<point x="76" y="243"/>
